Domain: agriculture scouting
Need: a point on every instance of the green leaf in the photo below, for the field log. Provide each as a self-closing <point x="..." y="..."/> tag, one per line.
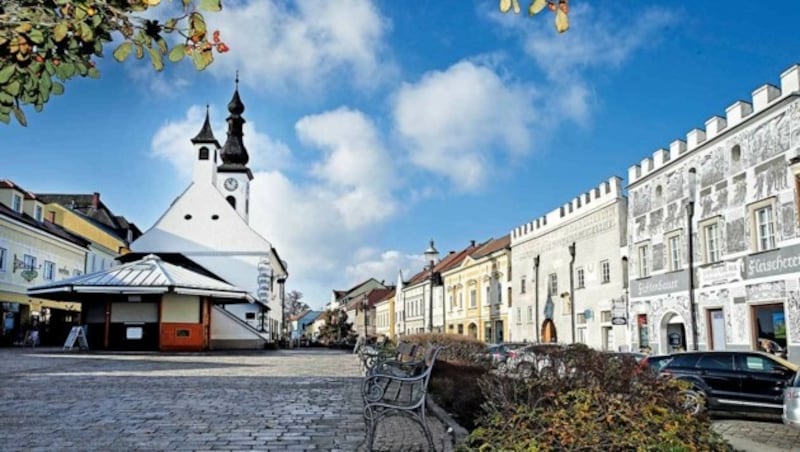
<point x="36" y="36"/>
<point x="211" y="5"/>
<point x="197" y="25"/>
<point x="162" y="45"/>
<point x="6" y="72"/>
<point x="155" y="58"/>
<point x="5" y="116"/>
<point x="93" y="72"/>
<point x="49" y="67"/>
<point x="58" y="88"/>
<point x="122" y="52"/>
<point x="38" y="107"/>
<point x="177" y="53"/>
<point x="45" y="84"/>
<point x="202" y="59"/>
<point x="6" y="99"/>
<point x="87" y="35"/>
<point x="12" y="88"/>
<point x="20" y="117"/>
<point x="170" y="25"/>
<point x="139" y="51"/>
<point x="60" y="32"/>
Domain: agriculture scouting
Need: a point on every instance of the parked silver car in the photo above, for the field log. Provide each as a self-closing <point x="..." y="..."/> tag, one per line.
<point x="791" y="402"/>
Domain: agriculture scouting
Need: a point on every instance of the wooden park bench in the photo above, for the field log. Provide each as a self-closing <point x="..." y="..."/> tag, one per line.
<point x="399" y="388"/>
<point x="385" y="357"/>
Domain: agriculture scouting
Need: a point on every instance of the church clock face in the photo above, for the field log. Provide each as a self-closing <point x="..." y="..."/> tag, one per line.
<point x="231" y="184"/>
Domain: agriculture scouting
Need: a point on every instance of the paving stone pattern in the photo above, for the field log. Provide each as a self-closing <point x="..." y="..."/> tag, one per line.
<point x="758" y="433"/>
<point x="291" y="400"/>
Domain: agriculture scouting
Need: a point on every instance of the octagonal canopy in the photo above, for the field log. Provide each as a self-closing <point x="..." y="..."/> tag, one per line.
<point x="150" y="275"/>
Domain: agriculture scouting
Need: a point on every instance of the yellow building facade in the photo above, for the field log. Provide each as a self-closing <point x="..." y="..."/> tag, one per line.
<point x="477" y="293"/>
<point x="384" y="317"/>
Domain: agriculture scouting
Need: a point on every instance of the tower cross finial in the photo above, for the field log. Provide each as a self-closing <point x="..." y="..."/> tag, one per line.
<point x="237" y="79"/>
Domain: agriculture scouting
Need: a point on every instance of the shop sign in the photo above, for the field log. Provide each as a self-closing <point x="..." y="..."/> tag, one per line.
<point x="263" y="280"/>
<point x="618" y="312"/>
<point x="660" y="284"/>
<point x="724" y="273"/>
<point x="776" y="262"/>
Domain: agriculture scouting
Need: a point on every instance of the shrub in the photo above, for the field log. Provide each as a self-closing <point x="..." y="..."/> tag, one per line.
<point x="581" y="399"/>
<point x="455" y="378"/>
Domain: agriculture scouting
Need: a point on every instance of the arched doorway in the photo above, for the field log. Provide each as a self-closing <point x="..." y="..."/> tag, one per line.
<point x="673" y="333"/>
<point x="472" y="331"/>
<point x="549" y="332"/>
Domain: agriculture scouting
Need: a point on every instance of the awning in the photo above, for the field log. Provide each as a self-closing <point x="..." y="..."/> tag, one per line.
<point x="149" y="275"/>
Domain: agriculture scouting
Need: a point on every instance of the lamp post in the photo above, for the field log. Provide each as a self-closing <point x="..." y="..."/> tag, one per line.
<point x="536" y="297"/>
<point x="689" y="218"/>
<point x="430" y="256"/>
<point x="572" y="289"/>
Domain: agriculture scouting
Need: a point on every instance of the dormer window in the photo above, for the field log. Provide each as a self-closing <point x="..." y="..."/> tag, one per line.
<point x="16" y="203"/>
<point x="38" y="212"/>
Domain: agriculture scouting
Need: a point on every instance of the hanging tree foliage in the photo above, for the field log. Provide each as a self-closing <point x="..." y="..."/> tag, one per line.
<point x="559" y="7"/>
<point x="44" y="43"/>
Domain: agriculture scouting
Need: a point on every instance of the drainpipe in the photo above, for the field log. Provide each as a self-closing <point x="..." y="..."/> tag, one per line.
<point x="536" y="295"/>
<point x="572" y="289"/>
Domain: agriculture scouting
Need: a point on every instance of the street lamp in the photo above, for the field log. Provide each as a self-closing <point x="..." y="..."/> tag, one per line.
<point x="572" y="289"/>
<point x="689" y="218"/>
<point x="430" y="256"/>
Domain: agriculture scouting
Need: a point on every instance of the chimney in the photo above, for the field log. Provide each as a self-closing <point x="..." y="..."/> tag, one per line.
<point x="95" y="200"/>
<point x="472" y="243"/>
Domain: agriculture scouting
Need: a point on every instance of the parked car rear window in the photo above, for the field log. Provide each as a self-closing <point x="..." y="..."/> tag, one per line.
<point x="688" y="360"/>
<point x="716" y="362"/>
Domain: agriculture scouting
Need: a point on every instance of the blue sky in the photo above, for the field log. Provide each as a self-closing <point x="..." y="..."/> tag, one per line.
<point x="375" y="126"/>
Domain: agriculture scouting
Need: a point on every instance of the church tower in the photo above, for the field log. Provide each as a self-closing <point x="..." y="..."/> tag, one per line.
<point x="234" y="176"/>
<point x="206" y="155"/>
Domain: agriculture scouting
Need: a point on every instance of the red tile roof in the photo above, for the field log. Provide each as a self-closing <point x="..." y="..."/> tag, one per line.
<point x="491" y="246"/>
<point x="450" y="261"/>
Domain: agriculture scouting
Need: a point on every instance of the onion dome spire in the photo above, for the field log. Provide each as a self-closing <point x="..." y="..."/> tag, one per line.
<point x="206" y="135"/>
<point x="234" y="152"/>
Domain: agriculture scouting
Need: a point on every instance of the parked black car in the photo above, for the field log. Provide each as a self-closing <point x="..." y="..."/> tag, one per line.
<point x="724" y="380"/>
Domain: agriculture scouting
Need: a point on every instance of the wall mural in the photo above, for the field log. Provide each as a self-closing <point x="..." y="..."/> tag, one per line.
<point x="713" y="167"/>
<point x="640" y="200"/>
<point x="721" y="200"/>
<point x="675" y="185"/>
<point x="739" y="189"/>
<point x="656" y="217"/>
<point x="641" y="224"/>
<point x="794" y="114"/>
<point x="673" y="219"/>
<point x="766" y="291"/>
<point x="788" y="221"/>
<point x="658" y="257"/>
<point x="737" y="320"/>
<point x="771" y="177"/>
<point x="768" y="139"/>
<point x="793" y="312"/>
<point x="734" y="235"/>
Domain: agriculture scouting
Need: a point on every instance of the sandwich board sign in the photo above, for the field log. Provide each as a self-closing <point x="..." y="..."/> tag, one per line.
<point x="76" y="334"/>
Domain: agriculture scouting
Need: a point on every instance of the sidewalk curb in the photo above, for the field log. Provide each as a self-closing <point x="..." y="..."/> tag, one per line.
<point x="458" y="433"/>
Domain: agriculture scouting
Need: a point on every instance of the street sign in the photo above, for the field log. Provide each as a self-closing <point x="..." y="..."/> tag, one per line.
<point x="619" y="321"/>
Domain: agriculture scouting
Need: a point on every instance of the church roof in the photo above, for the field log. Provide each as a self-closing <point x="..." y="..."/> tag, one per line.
<point x="149" y="275"/>
<point x="234" y="154"/>
<point x="206" y="135"/>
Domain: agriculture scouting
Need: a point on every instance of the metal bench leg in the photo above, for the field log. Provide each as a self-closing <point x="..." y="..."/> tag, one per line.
<point x="425" y="428"/>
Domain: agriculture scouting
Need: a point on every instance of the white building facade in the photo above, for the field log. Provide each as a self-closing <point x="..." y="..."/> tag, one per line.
<point x="730" y="190"/>
<point x="547" y="306"/>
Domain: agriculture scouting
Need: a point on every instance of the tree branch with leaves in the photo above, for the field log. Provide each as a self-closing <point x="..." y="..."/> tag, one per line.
<point x="44" y="43"/>
<point x="559" y="7"/>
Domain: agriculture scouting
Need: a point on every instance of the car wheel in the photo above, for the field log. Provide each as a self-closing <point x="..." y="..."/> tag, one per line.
<point x="694" y="401"/>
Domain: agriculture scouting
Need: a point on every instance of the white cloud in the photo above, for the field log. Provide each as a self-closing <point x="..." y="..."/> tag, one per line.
<point x="278" y="45"/>
<point x="355" y="169"/>
<point x="172" y="143"/>
<point x="597" y="38"/>
<point x="454" y="121"/>
<point x="382" y="265"/>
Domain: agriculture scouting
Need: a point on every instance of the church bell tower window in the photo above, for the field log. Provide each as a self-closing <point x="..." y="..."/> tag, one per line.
<point x="203" y="153"/>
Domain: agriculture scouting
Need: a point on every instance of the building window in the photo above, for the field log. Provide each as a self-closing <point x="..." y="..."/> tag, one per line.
<point x="38" y="214"/>
<point x="522" y="285"/>
<point x="644" y="261"/>
<point x="488" y="299"/>
<point x="473" y="298"/>
<point x="553" y="284"/>
<point x="674" y="249"/>
<point x="452" y="302"/>
<point x="580" y="318"/>
<point x="711" y="242"/>
<point x="460" y="328"/>
<point x="461" y="300"/>
<point x="765" y="228"/>
<point x="16" y="203"/>
<point x="581" y="337"/>
<point x="49" y="270"/>
<point x="3" y="259"/>
<point x="499" y="293"/>
<point x="519" y="316"/>
<point x="508" y="296"/>
<point x="605" y="269"/>
<point x="530" y="314"/>
<point x="29" y="261"/>
<point x="605" y="316"/>
<point x="581" y="279"/>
